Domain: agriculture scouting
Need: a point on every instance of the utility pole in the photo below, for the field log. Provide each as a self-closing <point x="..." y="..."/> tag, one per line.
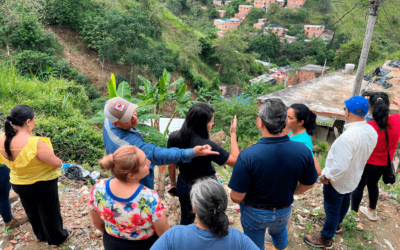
<point x="366" y="46"/>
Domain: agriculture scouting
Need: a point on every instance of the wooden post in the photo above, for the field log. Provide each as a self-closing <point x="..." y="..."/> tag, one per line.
<point x="161" y="181"/>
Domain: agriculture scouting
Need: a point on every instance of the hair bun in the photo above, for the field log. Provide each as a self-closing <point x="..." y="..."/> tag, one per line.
<point x="107" y="163"/>
<point x="10" y="118"/>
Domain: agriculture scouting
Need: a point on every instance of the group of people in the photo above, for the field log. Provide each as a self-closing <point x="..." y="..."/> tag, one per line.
<point x="265" y="177"/>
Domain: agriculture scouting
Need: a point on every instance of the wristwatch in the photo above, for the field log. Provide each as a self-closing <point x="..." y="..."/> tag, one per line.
<point x="173" y="183"/>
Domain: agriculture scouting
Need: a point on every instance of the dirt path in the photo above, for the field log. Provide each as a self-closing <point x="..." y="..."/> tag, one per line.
<point x="74" y="196"/>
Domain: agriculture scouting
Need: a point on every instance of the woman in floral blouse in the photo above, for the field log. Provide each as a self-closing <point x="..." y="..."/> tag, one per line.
<point x="130" y="215"/>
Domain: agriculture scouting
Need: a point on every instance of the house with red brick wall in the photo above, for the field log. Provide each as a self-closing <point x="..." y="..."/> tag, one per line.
<point x="260" y="3"/>
<point x="222" y="13"/>
<point x="281" y="3"/>
<point x="240" y="15"/>
<point x="263" y="20"/>
<point x="221" y="3"/>
<point x="274" y="28"/>
<point x="259" y="26"/>
<point x="307" y="73"/>
<point x="313" y="30"/>
<point x="289" y="38"/>
<point x="295" y="3"/>
<point x="245" y="9"/>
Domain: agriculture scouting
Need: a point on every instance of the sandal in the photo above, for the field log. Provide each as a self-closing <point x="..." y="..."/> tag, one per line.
<point x="70" y="235"/>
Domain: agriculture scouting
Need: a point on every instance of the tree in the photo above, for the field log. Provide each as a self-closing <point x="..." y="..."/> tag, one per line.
<point x="207" y="50"/>
<point x="265" y="45"/>
<point x="297" y="50"/>
<point x="126" y="38"/>
<point x="158" y="93"/>
<point x="351" y="52"/>
<point x="213" y="13"/>
<point x="230" y="52"/>
<point x="175" y="6"/>
<point x="254" y="15"/>
<point x="282" y="61"/>
<point x="273" y="8"/>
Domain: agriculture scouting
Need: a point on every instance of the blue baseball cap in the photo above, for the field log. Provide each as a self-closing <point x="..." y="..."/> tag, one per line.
<point x="357" y="105"/>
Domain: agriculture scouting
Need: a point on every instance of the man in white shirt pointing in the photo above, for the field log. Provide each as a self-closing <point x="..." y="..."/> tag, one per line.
<point x="343" y="169"/>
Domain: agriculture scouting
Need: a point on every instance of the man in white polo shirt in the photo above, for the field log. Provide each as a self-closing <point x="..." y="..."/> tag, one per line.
<point x="343" y="169"/>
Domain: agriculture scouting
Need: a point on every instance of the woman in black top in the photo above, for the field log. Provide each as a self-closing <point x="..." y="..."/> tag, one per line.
<point x="195" y="131"/>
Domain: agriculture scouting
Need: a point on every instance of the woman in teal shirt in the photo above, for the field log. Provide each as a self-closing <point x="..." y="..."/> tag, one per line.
<point x="301" y="122"/>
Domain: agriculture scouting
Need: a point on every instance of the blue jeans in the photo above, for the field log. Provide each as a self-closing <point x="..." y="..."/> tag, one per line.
<point x="256" y="221"/>
<point x="336" y="206"/>
<point x="5" y="186"/>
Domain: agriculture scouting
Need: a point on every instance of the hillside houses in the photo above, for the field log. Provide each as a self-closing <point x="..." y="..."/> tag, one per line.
<point x="295" y="3"/>
<point x="229" y="24"/>
<point x="313" y="30"/>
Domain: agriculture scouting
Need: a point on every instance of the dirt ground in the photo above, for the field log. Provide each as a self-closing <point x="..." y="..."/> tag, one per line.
<point x="74" y="196"/>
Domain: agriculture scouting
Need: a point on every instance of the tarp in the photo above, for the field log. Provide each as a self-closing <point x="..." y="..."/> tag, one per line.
<point x="381" y="81"/>
<point x="325" y="121"/>
<point x="394" y="64"/>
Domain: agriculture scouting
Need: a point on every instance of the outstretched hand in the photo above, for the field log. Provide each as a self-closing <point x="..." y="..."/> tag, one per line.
<point x="396" y="101"/>
<point x="204" y="150"/>
<point x="233" y="125"/>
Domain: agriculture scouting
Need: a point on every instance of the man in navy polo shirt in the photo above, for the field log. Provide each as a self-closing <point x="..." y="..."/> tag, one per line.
<point x="268" y="174"/>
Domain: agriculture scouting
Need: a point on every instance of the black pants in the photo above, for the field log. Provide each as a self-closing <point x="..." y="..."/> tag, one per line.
<point x="42" y="206"/>
<point x="183" y="188"/>
<point x="370" y="178"/>
<point x="113" y="243"/>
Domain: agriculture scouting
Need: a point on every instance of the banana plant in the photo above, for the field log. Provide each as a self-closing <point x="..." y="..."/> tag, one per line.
<point x="158" y="93"/>
<point x="183" y="103"/>
<point x="143" y="111"/>
<point x="203" y="93"/>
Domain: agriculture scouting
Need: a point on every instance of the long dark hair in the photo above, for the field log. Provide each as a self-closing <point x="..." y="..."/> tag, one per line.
<point x="303" y="113"/>
<point x="195" y="124"/>
<point x="18" y="116"/>
<point x="379" y="101"/>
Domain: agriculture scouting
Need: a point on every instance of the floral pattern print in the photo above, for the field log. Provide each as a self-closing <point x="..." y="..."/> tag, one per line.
<point x="130" y="219"/>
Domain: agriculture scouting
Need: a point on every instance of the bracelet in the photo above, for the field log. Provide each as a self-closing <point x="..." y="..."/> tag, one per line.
<point x="173" y="183"/>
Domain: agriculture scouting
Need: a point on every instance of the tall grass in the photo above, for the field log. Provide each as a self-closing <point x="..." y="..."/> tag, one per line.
<point x="61" y="109"/>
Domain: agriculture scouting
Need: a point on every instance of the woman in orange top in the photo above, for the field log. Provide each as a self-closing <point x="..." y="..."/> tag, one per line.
<point x="34" y="173"/>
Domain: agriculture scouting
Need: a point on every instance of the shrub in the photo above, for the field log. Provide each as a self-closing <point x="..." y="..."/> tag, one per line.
<point x="61" y="108"/>
<point x="120" y="78"/>
<point x="33" y="62"/>
<point x="91" y="92"/>
<point x="282" y="61"/>
<point x="257" y="68"/>
<point x="246" y="111"/>
<point x="199" y="82"/>
<point x="83" y="80"/>
<point x="28" y="34"/>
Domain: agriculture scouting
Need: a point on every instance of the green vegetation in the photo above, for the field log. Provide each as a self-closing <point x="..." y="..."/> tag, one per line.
<point x="62" y="110"/>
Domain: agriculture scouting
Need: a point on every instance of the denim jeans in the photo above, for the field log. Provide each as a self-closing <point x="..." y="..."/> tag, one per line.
<point x="5" y="187"/>
<point x="336" y="206"/>
<point x="256" y="221"/>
